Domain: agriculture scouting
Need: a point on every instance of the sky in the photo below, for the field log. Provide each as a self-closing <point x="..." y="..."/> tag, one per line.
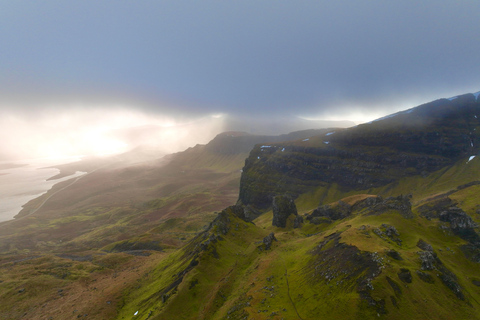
<point x="73" y="74"/>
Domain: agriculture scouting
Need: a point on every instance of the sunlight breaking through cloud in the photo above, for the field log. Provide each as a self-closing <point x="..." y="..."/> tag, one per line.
<point x="86" y="131"/>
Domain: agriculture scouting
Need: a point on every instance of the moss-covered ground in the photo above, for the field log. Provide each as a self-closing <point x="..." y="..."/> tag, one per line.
<point x="343" y="269"/>
<point x="154" y="253"/>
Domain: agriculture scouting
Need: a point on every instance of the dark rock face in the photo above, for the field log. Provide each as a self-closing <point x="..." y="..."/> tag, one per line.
<point x="297" y="222"/>
<point x="246" y="213"/>
<point x="394" y="254"/>
<point x="396" y="288"/>
<point x="388" y="232"/>
<point x="340" y="211"/>
<point x="422" y="140"/>
<point x="432" y="209"/>
<point x="267" y="241"/>
<point x="461" y="223"/>
<point x="450" y="280"/>
<point x="366" y="203"/>
<point x="424" y="246"/>
<point x="405" y="275"/>
<point x="457" y="218"/>
<point x="476" y="282"/>
<point x="430" y="261"/>
<point x="283" y="207"/>
<point x="221" y="224"/>
<point x="401" y="204"/>
<point x="425" y="277"/>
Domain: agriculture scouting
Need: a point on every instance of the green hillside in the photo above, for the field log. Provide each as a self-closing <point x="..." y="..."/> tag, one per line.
<point x="375" y="221"/>
<point x="116" y="221"/>
<point x="389" y="258"/>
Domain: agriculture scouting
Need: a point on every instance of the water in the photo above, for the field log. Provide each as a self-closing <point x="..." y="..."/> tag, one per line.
<point x="22" y="184"/>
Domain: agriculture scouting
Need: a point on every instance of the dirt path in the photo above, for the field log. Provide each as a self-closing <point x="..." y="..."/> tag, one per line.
<point x="289" y="297"/>
<point x="48" y="198"/>
<point x="53" y="194"/>
<point x="67" y="186"/>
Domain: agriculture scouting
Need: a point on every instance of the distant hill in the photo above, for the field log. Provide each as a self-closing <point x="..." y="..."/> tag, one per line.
<point x="414" y="142"/>
<point x="377" y="221"/>
<point x="278" y="125"/>
<point x="202" y="179"/>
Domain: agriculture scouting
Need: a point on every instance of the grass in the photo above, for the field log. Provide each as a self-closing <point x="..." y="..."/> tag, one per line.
<point x="70" y="262"/>
<point x="243" y="281"/>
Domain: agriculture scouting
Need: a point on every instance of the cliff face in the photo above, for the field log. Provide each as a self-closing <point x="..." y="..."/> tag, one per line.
<point x="414" y="142"/>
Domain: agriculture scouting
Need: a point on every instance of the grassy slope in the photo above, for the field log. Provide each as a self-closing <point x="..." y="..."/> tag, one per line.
<point x="233" y="278"/>
<point x="106" y="221"/>
<point x="245" y="282"/>
<point x="164" y="207"/>
<point x="116" y="204"/>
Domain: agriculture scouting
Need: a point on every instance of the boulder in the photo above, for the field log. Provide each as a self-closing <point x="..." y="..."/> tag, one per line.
<point x="283" y="207"/>
<point x="267" y="241"/>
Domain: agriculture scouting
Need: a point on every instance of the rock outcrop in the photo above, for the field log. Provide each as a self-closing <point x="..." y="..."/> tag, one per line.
<point x="268" y="240"/>
<point x="283" y="207"/>
<point x="460" y="223"/>
<point x="333" y="212"/>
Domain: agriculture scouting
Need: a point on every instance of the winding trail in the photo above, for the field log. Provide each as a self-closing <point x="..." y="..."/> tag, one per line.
<point x="50" y="196"/>
<point x="289" y="297"/>
<point x="67" y="186"/>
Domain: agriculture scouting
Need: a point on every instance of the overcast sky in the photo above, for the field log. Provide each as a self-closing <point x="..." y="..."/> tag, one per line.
<point x="189" y="59"/>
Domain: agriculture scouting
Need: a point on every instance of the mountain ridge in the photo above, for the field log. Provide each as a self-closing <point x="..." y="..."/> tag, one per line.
<point x="424" y="139"/>
<point x="360" y="255"/>
<point x="376" y="221"/>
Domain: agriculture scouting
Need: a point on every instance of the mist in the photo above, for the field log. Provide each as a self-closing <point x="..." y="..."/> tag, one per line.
<point x="76" y="131"/>
<point x="59" y="132"/>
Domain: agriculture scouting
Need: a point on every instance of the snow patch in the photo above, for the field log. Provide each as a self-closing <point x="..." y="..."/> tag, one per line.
<point x="330" y="133"/>
<point x="476" y="94"/>
<point x="258" y="158"/>
<point x="265" y="146"/>
<point x="471" y="158"/>
<point x="135" y="313"/>
<point x="452" y="98"/>
<point x="305" y="139"/>
<point x="283" y="149"/>
<point x="326" y="142"/>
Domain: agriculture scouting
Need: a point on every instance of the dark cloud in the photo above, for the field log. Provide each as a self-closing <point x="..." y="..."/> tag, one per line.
<point x="313" y="58"/>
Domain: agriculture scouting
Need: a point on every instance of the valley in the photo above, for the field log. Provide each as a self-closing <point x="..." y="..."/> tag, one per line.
<point x="374" y="221"/>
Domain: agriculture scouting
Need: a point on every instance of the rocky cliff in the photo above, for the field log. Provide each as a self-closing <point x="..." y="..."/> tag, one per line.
<point x="413" y="142"/>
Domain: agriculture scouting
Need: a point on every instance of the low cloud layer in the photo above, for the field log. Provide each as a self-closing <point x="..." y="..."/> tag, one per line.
<point x="98" y="131"/>
<point x="98" y="76"/>
<point x="308" y="58"/>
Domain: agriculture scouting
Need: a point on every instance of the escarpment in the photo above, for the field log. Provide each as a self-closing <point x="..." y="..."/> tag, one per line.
<point x="414" y="142"/>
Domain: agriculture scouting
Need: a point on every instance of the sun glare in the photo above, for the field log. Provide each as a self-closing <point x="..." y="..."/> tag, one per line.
<point x="99" y="131"/>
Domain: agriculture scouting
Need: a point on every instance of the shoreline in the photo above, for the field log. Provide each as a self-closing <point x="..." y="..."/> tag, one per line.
<point x="26" y="181"/>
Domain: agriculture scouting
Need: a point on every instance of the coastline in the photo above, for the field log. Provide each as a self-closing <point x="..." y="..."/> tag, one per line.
<point x="24" y="181"/>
